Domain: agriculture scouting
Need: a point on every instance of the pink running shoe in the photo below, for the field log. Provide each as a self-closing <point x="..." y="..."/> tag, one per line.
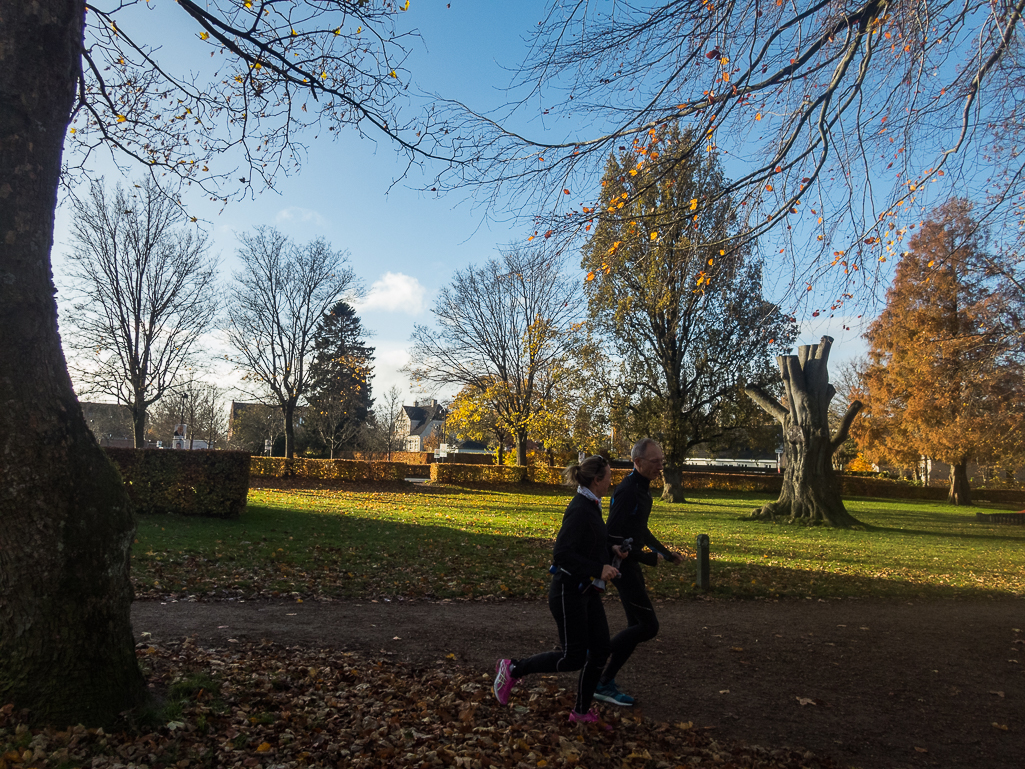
<point x="504" y="681"/>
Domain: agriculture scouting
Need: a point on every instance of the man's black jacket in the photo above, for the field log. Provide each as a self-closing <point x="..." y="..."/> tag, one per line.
<point x="628" y="519"/>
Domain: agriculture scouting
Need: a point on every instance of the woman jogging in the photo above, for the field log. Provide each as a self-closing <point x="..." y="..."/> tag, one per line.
<point x="581" y="555"/>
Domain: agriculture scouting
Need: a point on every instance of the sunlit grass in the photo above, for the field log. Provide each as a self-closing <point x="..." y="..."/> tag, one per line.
<point x="453" y="543"/>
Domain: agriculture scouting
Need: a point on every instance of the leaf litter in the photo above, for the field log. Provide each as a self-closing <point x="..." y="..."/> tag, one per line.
<point x="269" y="705"/>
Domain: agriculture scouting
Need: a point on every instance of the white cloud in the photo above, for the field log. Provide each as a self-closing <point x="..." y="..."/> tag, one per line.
<point x="395" y="291"/>
<point x="395" y="357"/>
<point x="299" y="214"/>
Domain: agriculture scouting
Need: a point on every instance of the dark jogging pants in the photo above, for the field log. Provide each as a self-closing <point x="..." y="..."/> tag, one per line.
<point x="641" y="622"/>
<point x="583" y="634"/>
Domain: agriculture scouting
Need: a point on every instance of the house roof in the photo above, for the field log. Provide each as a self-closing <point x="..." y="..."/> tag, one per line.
<point x="421" y="416"/>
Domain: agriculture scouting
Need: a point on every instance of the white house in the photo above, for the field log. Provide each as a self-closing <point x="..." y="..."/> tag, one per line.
<point x="420" y="421"/>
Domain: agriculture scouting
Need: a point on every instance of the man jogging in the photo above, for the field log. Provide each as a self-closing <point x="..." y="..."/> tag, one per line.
<point x="628" y="519"/>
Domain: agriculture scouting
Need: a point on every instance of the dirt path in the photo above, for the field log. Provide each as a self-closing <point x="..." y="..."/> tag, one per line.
<point x="870" y="683"/>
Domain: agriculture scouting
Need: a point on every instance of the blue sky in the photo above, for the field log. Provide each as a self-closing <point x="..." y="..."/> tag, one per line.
<point x="403" y="245"/>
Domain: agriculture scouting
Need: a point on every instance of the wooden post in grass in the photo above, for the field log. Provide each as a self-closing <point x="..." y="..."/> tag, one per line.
<point x="702" y="558"/>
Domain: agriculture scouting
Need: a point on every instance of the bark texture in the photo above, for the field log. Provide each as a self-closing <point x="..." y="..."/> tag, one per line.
<point x="672" y="484"/>
<point x="520" y="437"/>
<point x="960" y="490"/>
<point x="811" y="488"/>
<point x="66" y="646"/>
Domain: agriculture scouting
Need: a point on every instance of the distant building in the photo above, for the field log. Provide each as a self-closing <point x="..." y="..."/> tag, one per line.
<point x="420" y="421"/>
<point x="111" y="423"/>
<point x="463" y="447"/>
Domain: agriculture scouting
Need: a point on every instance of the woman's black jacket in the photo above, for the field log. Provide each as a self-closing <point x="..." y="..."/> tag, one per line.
<point x="581" y="548"/>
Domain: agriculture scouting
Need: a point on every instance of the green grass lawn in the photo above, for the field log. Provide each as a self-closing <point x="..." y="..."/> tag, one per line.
<point x="446" y="542"/>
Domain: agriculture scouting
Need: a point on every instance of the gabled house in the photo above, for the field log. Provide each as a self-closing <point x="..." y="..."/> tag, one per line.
<point x="421" y="421"/>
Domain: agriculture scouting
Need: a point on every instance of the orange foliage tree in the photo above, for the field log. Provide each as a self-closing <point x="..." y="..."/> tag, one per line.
<point x="944" y="376"/>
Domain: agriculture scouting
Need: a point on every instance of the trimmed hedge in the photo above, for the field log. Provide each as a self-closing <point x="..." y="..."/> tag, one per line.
<point x="855" y="486"/>
<point x="550" y="476"/>
<point x="408" y="457"/>
<point x="333" y="469"/>
<point x="756" y="482"/>
<point x="1014" y="519"/>
<point x="467" y="459"/>
<point x="453" y="473"/>
<point x="349" y="470"/>
<point x="206" y="483"/>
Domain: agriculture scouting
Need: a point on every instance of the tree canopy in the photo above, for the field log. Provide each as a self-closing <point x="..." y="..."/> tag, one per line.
<point x="341" y="373"/>
<point x="678" y="304"/>
<point x="503" y="331"/>
<point x="944" y="374"/>
<point x="259" y="79"/>
<point x="838" y="119"/>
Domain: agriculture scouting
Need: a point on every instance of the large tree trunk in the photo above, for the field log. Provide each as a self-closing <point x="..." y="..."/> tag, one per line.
<point x="139" y="426"/>
<point x="288" y="412"/>
<point x="66" y="647"/>
<point x="811" y="488"/>
<point x="960" y="493"/>
<point x="672" y="484"/>
<point x="521" y="449"/>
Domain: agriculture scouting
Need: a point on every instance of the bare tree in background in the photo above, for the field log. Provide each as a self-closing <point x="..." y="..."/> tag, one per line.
<point x="254" y="426"/>
<point x="501" y="329"/>
<point x="275" y="305"/>
<point x="386" y="419"/>
<point x="142" y="291"/>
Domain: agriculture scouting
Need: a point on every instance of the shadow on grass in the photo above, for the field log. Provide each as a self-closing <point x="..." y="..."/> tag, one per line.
<point x="312" y="554"/>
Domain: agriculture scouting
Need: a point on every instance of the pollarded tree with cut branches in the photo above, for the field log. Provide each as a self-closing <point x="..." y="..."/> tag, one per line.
<point x="837" y="118"/>
<point x="811" y="487"/>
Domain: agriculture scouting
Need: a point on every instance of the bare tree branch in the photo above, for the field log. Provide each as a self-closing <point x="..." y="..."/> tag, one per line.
<point x="502" y="328"/>
<point x="846" y="116"/>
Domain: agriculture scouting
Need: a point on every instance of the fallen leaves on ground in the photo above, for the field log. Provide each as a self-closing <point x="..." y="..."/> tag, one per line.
<point x="266" y="705"/>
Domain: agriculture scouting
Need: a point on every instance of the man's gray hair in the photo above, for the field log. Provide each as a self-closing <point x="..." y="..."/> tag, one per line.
<point x="641" y="448"/>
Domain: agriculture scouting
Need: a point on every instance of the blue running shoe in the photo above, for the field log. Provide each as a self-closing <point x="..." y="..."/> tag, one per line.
<point x="610" y="693"/>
